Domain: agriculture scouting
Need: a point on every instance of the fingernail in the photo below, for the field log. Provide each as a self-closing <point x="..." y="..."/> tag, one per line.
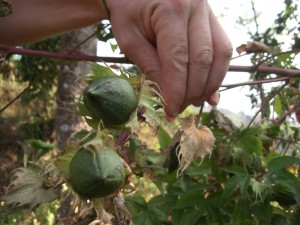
<point x="170" y="119"/>
<point x="215" y="97"/>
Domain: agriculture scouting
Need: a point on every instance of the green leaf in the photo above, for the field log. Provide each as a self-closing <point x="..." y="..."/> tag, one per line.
<point x="136" y="204"/>
<point x="262" y="212"/>
<point x="98" y="71"/>
<point x="41" y="147"/>
<point x="195" y="170"/>
<point x="281" y="162"/>
<point x="190" y="200"/>
<point x="273" y="131"/>
<point x="277" y="105"/>
<point x="134" y="145"/>
<point x="286" y="178"/>
<point x="150" y="217"/>
<point x="39" y="144"/>
<point x="113" y="47"/>
<point x="150" y="108"/>
<point x="163" y="202"/>
<point x="63" y="162"/>
<point x="285" y="60"/>
<point x="189" y="216"/>
<point x="160" y="184"/>
<point x="164" y="138"/>
<point x="237" y="170"/>
<point x="279" y="220"/>
<point x="237" y="182"/>
<point x="260" y="190"/>
<point x="249" y="141"/>
<point x="241" y="212"/>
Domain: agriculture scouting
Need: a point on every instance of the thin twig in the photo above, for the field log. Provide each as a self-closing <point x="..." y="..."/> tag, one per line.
<point x="286" y="140"/>
<point x="198" y="118"/>
<point x="265" y="103"/>
<point x="81" y="43"/>
<point x="264" y="70"/>
<point x="229" y="86"/>
<point x="296" y="51"/>
<point x="255" y="17"/>
<point x="15" y="98"/>
<point x="239" y="56"/>
<point x="122" y="139"/>
<point x="288" y="146"/>
<point x="288" y="113"/>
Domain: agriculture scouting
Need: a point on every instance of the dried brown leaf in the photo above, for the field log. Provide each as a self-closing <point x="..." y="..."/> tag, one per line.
<point x="253" y="47"/>
<point x="194" y="142"/>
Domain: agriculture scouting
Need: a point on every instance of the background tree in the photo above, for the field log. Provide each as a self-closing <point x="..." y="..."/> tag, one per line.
<point x="81" y="41"/>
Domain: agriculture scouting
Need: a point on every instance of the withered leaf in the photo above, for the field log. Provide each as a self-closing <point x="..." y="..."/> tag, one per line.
<point x="253" y="47"/>
<point x="193" y="142"/>
<point x="29" y="188"/>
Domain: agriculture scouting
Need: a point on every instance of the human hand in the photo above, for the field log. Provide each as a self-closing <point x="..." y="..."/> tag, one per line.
<point x="178" y="44"/>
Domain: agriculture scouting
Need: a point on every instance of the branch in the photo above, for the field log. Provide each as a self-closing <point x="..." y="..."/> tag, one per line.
<point x="266" y="102"/>
<point x="265" y="69"/>
<point x="68" y="56"/>
<point x="288" y="113"/>
<point x="72" y="56"/>
<point x="229" y="86"/>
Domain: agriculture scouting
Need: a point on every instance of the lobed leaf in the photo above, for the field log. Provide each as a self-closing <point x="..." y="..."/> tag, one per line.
<point x="250" y="142"/>
<point x="281" y="162"/>
<point x="30" y="188"/>
<point x="150" y="108"/>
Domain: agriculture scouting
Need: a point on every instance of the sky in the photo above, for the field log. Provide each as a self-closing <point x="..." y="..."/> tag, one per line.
<point x="228" y="12"/>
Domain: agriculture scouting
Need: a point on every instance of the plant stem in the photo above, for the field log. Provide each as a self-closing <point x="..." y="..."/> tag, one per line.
<point x="264" y="81"/>
<point x="60" y="55"/>
<point x="198" y="118"/>
<point x="264" y="69"/>
<point x="294" y="108"/>
<point x="266" y="102"/>
<point x="122" y="139"/>
<point x="68" y="56"/>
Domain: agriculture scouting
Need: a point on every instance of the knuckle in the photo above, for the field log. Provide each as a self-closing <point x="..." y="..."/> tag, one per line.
<point x="179" y="55"/>
<point x="227" y="51"/>
<point x="203" y="58"/>
<point x="151" y="73"/>
<point x="176" y="6"/>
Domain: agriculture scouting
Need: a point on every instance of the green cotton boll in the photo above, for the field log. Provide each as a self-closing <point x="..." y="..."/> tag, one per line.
<point x="96" y="171"/>
<point x="110" y="99"/>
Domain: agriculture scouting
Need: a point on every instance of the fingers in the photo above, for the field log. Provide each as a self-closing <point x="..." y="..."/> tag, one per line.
<point x="214" y="99"/>
<point x="170" y="26"/>
<point x="200" y="52"/>
<point x="177" y="44"/>
<point x="222" y="55"/>
<point x="164" y="62"/>
<point x="136" y="46"/>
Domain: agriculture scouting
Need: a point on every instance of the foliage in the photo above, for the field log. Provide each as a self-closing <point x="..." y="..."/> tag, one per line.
<point x="269" y="50"/>
<point x="40" y="72"/>
<point x="5" y="8"/>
